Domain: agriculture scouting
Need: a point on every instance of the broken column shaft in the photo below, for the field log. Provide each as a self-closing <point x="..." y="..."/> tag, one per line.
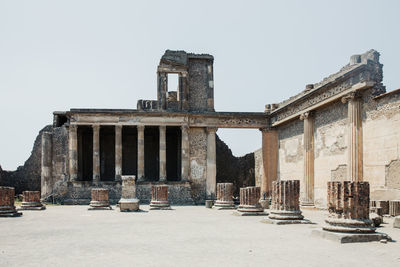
<point x="159" y="197"/>
<point x="99" y="199"/>
<point x="249" y="200"/>
<point x="7" y="208"/>
<point x="31" y="201"/>
<point x="285" y="200"/>
<point x="224" y="196"/>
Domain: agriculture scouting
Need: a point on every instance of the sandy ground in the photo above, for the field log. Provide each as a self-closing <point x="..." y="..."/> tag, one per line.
<point x="184" y="236"/>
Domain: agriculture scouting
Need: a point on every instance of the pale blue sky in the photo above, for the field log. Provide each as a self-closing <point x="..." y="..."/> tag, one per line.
<point x="57" y="55"/>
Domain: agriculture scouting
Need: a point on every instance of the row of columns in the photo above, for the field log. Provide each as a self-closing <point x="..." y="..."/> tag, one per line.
<point x="355" y="153"/>
<point x="73" y="153"/>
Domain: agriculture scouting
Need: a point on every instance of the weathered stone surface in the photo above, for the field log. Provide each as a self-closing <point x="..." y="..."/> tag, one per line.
<point x="394" y="207"/>
<point x="128" y="201"/>
<point x="348" y="206"/>
<point x="159" y="197"/>
<point x="100" y="199"/>
<point x="224" y="196"/>
<point x="7" y="208"/>
<point x="380" y="207"/>
<point x="249" y="202"/>
<point x="31" y="201"/>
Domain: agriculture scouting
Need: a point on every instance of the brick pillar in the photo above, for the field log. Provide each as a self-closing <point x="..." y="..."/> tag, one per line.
<point x="249" y="200"/>
<point x="46" y="176"/>
<point x="355" y="143"/>
<point x="31" y="201"/>
<point x="211" y="180"/>
<point x="159" y="197"/>
<point x="7" y="208"/>
<point x="73" y="152"/>
<point x="183" y="91"/>
<point x="163" y="154"/>
<point x="140" y="144"/>
<point x="308" y="177"/>
<point x="285" y="200"/>
<point x="348" y="206"/>
<point x="270" y="161"/>
<point x="185" y="153"/>
<point x="118" y="152"/>
<point x="224" y="196"/>
<point x="210" y="89"/>
<point x="162" y="90"/>
<point x="99" y="199"/>
<point x="96" y="153"/>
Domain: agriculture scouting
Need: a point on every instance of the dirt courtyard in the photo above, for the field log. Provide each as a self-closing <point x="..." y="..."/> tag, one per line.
<point x="184" y="236"/>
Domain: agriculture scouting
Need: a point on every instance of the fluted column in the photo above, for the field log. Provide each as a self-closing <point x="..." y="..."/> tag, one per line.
<point x="163" y="154"/>
<point x="118" y="152"/>
<point x="73" y="152"/>
<point x="96" y="153"/>
<point x="308" y="177"/>
<point x="185" y="153"/>
<point x="211" y="181"/>
<point x="355" y="150"/>
<point x="140" y="144"/>
<point x="270" y="161"/>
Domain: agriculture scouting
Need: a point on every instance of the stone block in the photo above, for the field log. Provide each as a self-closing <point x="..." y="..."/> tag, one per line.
<point x="31" y="201"/>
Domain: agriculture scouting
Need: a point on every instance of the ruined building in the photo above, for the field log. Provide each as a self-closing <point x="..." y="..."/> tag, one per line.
<point x="346" y="127"/>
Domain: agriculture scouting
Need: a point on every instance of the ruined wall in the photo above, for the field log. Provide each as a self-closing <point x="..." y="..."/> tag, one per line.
<point x="231" y="169"/>
<point x="26" y="177"/>
<point x="198" y="162"/>
<point x="381" y="136"/>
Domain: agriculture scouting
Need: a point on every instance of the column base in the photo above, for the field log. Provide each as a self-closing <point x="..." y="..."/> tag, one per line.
<point x="99" y="205"/>
<point x="349" y="225"/>
<point x="351" y="237"/>
<point x="249" y="213"/>
<point x="283" y="222"/>
<point x="160" y="205"/>
<point x="37" y="205"/>
<point x="128" y="205"/>
<point x="224" y="205"/>
<point x="285" y="215"/>
<point x="9" y="212"/>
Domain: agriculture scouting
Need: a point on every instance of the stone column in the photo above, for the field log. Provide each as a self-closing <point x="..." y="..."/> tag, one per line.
<point x="185" y="153"/>
<point x="31" y="201"/>
<point x="118" y="152"/>
<point x="163" y="154"/>
<point x="100" y="199"/>
<point x="73" y="152"/>
<point x="183" y="91"/>
<point x="47" y="164"/>
<point x="211" y="164"/>
<point x="224" y="196"/>
<point x="7" y="207"/>
<point x="159" y="197"/>
<point x="96" y="153"/>
<point x="210" y="90"/>
<point x="270" y="161"/>
<point x="348" y="206"/>
<point x="308" y="140"/>
<point x="285" y="201"/>
<point x="355" y="144"/>
<point x="128" y="201"/>
<point x="140" y="145"/>
<point x="249" y="201"/>
<point x="162" y="90"/>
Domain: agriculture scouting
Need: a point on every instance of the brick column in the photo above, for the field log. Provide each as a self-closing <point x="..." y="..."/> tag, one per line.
<point x="348" y="206"/>
<point x="159" y="197"/>
<point x="211" y="179"/>
<point x="224" y="196"/>
<point x="249" y="200"/>
<point x="285" y="200"/>
<point x="308" y="177"/>
<point x="163" y="154"/>
<point x="185" y="153"/>
<point x="100" y="199"/>
<point x="270" y="161"/>
<point x="7" y="207"/>
<point x="73" y="152"/>
<point x="31" y="201"/>
<point x="47" y="164"/>
<point x="140" y="145"/>
<point x="118" y="152"/>
<point x="355" y="144"/>
<point x="96" y="153"/>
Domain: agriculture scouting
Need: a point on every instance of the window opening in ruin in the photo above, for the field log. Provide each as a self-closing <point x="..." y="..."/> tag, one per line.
<point x="107" y="153"/>
<point x="173" y="147"/>
<point x="61" y="120"/>
<point x="129" y="150"/>
<point x="85" y="153"/>
<point x="173" y="87"/>
<point x="151" y="153"/>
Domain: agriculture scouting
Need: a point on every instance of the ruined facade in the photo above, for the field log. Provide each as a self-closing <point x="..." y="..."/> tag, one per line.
<point x="170" y="140"/>
<point x="344" y="128"/>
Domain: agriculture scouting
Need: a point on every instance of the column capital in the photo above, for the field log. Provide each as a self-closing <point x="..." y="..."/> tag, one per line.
<point x="212" y="129"/>
<point x="140" y="127"/>
<point x="163" y="127"/>
<point x="96" y="126"/>
<point x="351" y="96"/>
<point x="306" y="115"/>
<point x="73" y="126"/>
<point x="266" y="129"/>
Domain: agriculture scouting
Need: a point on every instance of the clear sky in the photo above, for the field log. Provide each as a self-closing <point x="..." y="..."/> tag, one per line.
<point x="57" y="55"/>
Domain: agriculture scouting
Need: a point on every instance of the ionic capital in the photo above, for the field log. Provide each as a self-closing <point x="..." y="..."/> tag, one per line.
<point x="350" y="96"/>
<point x="306" y="115"/>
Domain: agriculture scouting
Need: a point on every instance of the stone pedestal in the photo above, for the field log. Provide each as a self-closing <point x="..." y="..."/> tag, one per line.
<point x="128" y="201"/>
<point x="394" y="207"/>
<point x="31" y="201"/>
<point x="285" y="208"/>
<point x="224" y="196"/>
<point x="7" y="208"/>
<point x="159" y="197"/>
<point x="249" y="202"/>
<point x="381" y="207"/>
<point x="99" y="199"/>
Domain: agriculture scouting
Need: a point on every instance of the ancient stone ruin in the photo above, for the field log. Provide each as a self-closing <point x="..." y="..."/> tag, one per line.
<point x="31" y="201"/>
<point x="7" y="208"/>
<point x="224" y="196"/>
<point x="128" y="201"/>
<point x="249" y="202"/>
<point x="159" y="198"/>
<point x="100" y="199"/>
